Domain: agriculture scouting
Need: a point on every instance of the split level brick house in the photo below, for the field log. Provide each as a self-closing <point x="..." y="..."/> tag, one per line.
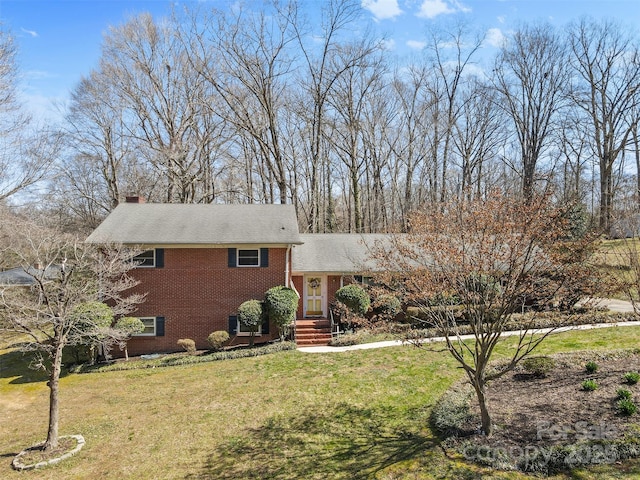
<point x="200" y="262"/>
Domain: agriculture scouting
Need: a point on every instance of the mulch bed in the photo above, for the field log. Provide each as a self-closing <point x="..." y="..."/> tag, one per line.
<point x="534" y="416"/>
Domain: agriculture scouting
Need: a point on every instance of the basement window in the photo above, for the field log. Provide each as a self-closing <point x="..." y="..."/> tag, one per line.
<point x="149" y="327"/>
<point x="245" y="331"/>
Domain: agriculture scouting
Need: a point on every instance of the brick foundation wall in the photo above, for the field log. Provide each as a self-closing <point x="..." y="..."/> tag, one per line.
<point x="196" y="292"/>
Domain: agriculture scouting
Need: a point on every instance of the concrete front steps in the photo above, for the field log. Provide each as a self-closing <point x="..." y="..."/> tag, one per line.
<point x="313" y="332"/>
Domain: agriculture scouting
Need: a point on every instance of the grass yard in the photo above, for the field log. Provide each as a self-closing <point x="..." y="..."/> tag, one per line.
<point x="614" y="257"/>
<point x="288" y="415"/>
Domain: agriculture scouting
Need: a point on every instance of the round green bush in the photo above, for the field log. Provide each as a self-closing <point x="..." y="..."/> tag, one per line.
<point x="589" y="385"/>
<point x="250" y="314"/>
<point x="355" y="298"/>
<point x="217" y="339"/>
<point x="92" y="315"/>
<point x="281" y="304"/>
<point x="387" y="306"/>
<point x="130" y="325"/>
<point x="538" y="366"/>
<point x="485" y="287"/>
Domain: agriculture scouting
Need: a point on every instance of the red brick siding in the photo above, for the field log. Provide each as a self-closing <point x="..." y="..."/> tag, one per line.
<point x="333" y="284"/>
<point x="196" y="292"/>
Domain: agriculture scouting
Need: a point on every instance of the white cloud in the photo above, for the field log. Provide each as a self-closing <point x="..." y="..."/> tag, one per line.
<point x="33" y="33"/>
<point x="502" y="18"/>
<point x="38" y="75"/>
<point x="495" y="37"/>
<point x="382" y="9"/>
<point x="433" y="8"/>
<point x="416" y="45"/>
<point x="389" y="44"/>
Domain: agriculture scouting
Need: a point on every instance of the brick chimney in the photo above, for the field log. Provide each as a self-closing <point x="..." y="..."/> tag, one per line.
<point x="135" y="199"/>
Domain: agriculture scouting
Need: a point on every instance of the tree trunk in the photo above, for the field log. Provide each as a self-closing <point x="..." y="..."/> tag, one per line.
<point x="485" y="417"/>
<point x="636" y="144"/>
<point x="53" y="384"/>
<point x="606" y="197"/>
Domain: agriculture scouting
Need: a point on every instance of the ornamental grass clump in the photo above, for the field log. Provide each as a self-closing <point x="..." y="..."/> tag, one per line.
<point x="591" y="367"/>
<point x="623" y="394"/>
<point x="589" y="385"/>
<point x="188" y="345"/>
<point x="626" y="407"/>
<point x="631" y="377"/>
<point x="217" y="339"/>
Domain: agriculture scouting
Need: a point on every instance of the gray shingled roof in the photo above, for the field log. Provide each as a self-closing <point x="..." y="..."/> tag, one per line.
<point x="210" y="224"/>
<point x="336" y="252"/>
<point x="20" y="277"/>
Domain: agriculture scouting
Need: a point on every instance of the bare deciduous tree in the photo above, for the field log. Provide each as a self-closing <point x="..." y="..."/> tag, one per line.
<point x="65" y="273"/>
<point x="606" y="61"/>
<point x="531" y="76"/>
<point x="482" y="260"/>
<point x="26" y="151"/>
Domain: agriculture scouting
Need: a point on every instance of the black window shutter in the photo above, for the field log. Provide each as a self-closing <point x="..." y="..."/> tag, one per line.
<point x="159" y="326"/>
<point x="232" y="257"/>
<point x="264" y="257"/>
<point x="265" y="325"/>
<point x="233" y="324"/>
<point x="159" y="257"/>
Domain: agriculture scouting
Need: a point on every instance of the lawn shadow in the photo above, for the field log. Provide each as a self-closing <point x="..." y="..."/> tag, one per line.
<point x="343" y="442"/>
<point x="15" y="364"/>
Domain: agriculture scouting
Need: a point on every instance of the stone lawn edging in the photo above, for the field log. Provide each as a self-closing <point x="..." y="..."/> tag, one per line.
<point x="17" y="460"/>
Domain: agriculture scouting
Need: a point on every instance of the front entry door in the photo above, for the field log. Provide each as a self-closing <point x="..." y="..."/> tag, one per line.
<point x="314" y="295"/>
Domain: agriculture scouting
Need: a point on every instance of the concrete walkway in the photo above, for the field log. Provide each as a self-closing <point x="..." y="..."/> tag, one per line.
<point x="613" y="305"/>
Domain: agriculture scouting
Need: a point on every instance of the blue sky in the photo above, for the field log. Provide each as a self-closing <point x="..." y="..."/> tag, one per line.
<point x="59" y="40"/>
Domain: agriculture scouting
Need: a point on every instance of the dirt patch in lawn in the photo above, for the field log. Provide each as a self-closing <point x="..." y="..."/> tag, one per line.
<point x="551" y="423"/>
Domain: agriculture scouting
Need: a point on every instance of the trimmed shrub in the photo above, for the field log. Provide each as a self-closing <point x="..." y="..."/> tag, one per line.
<point x="171" y="360"/>
<point x="130" y="325"/>
<point x="355" y="298"/>
<point x="92" y="315"/>
<point x="251" y="314"/>
<point x="482" y="288"/>
<point x="626" y="407"/>
<point x="631" y="377"/>
<point x="538" y="366"/>
<point x="217" y="339"/>
<point x="281" y="304"/>
<point x="589" y="385"/>
<point x="92" y="321"/>
<point x="386" y="306"/>
<point x="591" y="367"/>
<point x="188" y="345"/>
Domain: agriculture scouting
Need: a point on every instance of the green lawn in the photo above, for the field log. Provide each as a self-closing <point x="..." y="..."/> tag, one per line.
<point x="288" y="415"/>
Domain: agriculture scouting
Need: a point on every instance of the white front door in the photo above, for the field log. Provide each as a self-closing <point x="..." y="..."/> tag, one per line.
<point x="314" y="295"/>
